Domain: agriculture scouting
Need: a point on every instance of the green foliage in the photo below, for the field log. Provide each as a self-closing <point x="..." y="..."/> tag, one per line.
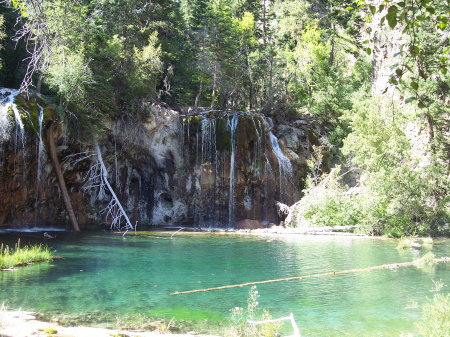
<point x="404" y="243"/>
<point x="23" y="255"/>
<point x="395" y="191"/>
<point x="68" y="74"/>
<point x="417" y="19"/>
<point x="2" y="35"/>
<point x="146" y="66"/>
<point x="426" y="260"/>
<point x="328" y="204"/>
<point x="435" y="320"/>
<point x="240" y="327"/>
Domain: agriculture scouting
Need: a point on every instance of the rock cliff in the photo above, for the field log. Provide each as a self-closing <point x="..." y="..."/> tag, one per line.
<point x="192" y="169"/>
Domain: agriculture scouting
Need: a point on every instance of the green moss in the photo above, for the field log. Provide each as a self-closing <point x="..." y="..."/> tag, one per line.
<point x="223" y="135"/>
<point x="246" y="131"/>
<point x="195" y="119"/>
<point x="50" y="330"/>
<point x="312" y="138"/>
<point x="29" y="109"/>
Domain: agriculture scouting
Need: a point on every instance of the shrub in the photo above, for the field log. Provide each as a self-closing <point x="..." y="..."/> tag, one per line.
<point x="435" y="320"/>
<point x="240" y="327"/>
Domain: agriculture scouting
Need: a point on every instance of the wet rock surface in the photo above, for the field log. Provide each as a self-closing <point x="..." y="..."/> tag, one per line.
<point x="206" y="169"/>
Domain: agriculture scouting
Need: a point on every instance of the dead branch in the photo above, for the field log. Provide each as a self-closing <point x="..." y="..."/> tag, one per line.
<point x="97" y="177"/>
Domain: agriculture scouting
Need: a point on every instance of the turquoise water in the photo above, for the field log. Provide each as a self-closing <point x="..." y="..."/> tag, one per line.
<point x="108" y="274"/>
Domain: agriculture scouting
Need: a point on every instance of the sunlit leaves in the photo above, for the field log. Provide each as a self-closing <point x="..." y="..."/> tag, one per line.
<point x="391" y="16"/>
<point x="22" y="6"/>
<point x="68" y="73"/>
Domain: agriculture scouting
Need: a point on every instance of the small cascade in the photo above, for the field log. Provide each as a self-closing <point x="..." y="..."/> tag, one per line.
<point x="41" y="159"/>
<point x="235" y="169"/>
<point x="208" y="150"/>
<point x="231" y="201"/>
<point x="258" y="158"/>
<point x="7" y="98"/>
<point x="286" y="174"/>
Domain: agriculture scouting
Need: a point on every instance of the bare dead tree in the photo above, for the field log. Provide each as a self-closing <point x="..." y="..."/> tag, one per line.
<point x="97" y="177"/>
<point x="37" y="36"/>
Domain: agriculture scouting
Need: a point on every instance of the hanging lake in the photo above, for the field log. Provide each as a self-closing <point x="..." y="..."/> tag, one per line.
<point x="106" y="275"/>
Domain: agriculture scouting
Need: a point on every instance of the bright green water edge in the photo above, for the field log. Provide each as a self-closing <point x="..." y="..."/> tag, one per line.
<point x="105" y="274"/>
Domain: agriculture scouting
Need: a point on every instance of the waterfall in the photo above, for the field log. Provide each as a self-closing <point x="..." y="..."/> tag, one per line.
<point x="256" y="163"/>
<point x="237" y="167"/>
<point x="231" y="201"/>
<point x="41" y="158"/>
<point x="208" y="141"/>
<point x="7" y="97"/>
<point x="286" y="174"/>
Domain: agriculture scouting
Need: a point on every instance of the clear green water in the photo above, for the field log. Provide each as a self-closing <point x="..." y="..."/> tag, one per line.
<point x="108" y="274"/>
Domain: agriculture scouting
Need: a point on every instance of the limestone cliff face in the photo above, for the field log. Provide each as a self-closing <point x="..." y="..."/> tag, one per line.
<point x="208" y="169"/>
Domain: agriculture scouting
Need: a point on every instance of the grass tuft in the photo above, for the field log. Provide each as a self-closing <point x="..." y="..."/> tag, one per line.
<point x="427" y="260"/>
<point x="404" y="243"/>
<point x="23" y="255"/>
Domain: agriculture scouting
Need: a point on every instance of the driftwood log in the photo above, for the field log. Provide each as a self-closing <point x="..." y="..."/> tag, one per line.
<point x="391" y="266"/>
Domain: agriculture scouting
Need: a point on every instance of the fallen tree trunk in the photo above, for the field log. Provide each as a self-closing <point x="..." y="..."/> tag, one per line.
<point x="115" y="203"/>
<point x="391" y="266"/>
<point x="61" y="182"/>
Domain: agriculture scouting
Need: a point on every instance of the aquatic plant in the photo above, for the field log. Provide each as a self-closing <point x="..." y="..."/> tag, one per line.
<point x="427" y="241"/>
<point x="240" y="317"/>
<point x="426" y="260"/>
<point x="404" y="243"/>
<point x="23" y="255"/>
<point x="435" y="320"/>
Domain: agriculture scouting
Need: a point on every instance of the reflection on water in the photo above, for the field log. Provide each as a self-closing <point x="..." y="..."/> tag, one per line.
<point x="108" y="274"/>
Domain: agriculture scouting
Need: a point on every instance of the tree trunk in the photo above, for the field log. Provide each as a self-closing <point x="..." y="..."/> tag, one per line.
<point x="213" y="95"/>
<point x="197" y="98"/>
<point x="59" y="175"/>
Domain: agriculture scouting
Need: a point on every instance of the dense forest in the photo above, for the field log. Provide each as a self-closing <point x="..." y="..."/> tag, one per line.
<point x="382" y="113"/>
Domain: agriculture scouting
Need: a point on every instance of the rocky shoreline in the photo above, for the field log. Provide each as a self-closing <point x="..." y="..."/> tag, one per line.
<point x="25" y="324"/>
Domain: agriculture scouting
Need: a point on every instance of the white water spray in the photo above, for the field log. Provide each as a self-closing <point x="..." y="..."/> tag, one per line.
<point x="231" y="203"/>
<point x="285" y="167"/>
<point x="7" y="97"/>
<point x="41" y="159"/>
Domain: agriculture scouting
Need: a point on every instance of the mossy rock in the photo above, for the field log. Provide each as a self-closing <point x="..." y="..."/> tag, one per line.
<point x="49" y="330"/>
<point x="194" y="119"/>
<point x="223" y="135"/>
<point x="29" y="109"/>
<point x="313" y="138"/>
